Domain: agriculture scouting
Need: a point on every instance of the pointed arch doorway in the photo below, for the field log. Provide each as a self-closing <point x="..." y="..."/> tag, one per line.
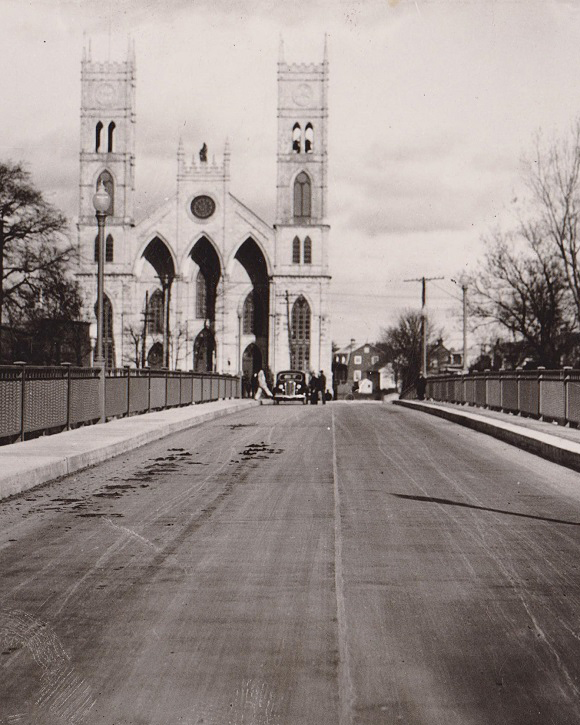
<point x="204" y="352"/>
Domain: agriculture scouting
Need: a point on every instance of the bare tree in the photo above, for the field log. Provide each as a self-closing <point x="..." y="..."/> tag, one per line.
<point x="34" y="254"/>
<point x="135" y="335"/>
<point x="522" y="287"/>
<point x="552" y="175"/>
<point x="402" y="344"/>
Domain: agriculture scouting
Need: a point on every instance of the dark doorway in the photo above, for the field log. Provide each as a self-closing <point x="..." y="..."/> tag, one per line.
<point x="155" y="356"/>
<point x="257" y="303"/>
<point x="204" y="352"/>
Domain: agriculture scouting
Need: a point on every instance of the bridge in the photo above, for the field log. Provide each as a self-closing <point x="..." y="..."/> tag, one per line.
<point x="349" y="563"/>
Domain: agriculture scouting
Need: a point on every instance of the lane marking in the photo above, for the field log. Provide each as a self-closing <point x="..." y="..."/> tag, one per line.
<point x="345" y="686"/>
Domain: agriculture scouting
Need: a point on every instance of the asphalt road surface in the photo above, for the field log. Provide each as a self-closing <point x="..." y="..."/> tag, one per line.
<point x="291" y="565"/>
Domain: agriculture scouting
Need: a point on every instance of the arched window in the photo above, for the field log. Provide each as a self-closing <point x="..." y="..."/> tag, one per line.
<point x="300" y="337"/>
<point x="302" y="196"/>
<point x="307" y="251"/>
<point x="109" y="185"/>
<point x="309" y="139"/>
<point x="201" y="296"/>
<point x="110" y="137"/>
<point x="296" y="138"/>
<point x="108" y="337"/>
<point x="109" y="248"/>
<point x="98" y="130"/>
<point x="155" y="313"/>
<point x="248" y="317"/>
<point x="296" y="251"/>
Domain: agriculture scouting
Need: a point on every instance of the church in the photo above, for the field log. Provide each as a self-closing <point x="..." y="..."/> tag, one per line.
<point x="203" y="282"/>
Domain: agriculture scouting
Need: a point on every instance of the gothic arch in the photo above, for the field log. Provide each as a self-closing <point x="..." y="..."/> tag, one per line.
<point x="205" y="256"/>
<point x="106" y="177"/>
<point x="308" y="139"/>
<point x="110" y="134"/>
<point x="301" y="334"/>
<point x="108" y="331"/>
<point x="302" y="206"/>
<point x="250" y="255"/>
<point x="98" y="131"/>
<point x="204" y="350"/>
<point x="296" y="138"/>
<point x="188" y="266"/>
<point x="141" y="258"/>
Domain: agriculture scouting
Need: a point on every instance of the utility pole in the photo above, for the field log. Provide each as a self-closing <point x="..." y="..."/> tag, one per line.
<point x="423" y="281"/>
<point x="464" y="295"/>
<point x="464" y="290"/>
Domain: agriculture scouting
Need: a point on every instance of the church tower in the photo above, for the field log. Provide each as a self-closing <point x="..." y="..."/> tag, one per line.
<point x="301" y="278"/>
<point x="107" y="154"/>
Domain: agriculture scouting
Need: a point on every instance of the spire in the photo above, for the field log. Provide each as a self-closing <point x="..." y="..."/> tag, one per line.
<point x="325" y="57"/>
<point x="281" y="50"/>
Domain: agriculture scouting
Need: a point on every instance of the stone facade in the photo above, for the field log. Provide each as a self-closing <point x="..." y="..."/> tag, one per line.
<point x="203" y="282"/>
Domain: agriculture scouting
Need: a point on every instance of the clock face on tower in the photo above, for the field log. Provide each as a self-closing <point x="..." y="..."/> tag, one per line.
<point x="202" y="206"/>
<point x="105" y="94"/>
<point x="302" y="94"/>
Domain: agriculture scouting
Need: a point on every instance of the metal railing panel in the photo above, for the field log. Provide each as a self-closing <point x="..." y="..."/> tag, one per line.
<point x="553" y="398"/>
<point x="172" y="390"/>
<point x="84" y="396"/>
<point x="573" y="402"/>
<point x="10" y="402"/>
<point x="186" y="396"/>
<point x="45" y="398"/>
<point x="116" y="402"/>
<point x="480" y="391"/>
<point x="509" y="394"/>
<point x="494" y="392"/>
<point x="470" y="391"/>
<point x="139" y="393"/>
<point x="222" y="388"/>
<point x="529" y="396"/>
<point x="197" y="389"/>
<point x="206" y="388"/>
<point x="157" y="391"/>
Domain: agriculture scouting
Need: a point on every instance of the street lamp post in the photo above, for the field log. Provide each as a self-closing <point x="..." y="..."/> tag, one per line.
<point x="101" y="202"/>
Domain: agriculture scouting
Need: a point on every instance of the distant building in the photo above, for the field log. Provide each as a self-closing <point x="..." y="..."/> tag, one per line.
<point x="351" y="365"/>
<point x="443" y="360"/>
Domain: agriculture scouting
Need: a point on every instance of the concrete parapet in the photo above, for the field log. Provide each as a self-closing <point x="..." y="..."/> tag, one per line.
<point x="551" y="447"/>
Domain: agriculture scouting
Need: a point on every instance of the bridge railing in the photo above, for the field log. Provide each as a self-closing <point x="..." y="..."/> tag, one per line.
<point x="36" y="400"/>
<point x="552" y="395"/>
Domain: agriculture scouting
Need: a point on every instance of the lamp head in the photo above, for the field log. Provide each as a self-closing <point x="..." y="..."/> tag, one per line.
<point x="101" y="199"/>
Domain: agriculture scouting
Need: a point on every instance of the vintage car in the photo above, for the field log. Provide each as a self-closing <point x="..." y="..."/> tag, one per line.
<point x="290" y="385"/>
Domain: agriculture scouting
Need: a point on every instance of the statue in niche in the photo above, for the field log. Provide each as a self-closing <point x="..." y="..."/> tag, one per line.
<point x="203" y="153"/>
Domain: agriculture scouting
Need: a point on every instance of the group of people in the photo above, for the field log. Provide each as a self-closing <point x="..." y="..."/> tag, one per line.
<point x="316" y="386"/>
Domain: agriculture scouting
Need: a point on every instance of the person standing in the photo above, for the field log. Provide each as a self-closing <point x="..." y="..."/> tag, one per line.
<point x="262" y="387"/>
<point x="322" y="386"/>
<point x="313" y="388"/>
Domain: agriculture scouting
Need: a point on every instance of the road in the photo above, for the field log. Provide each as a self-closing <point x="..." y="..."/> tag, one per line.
<point x="289" y="565"/>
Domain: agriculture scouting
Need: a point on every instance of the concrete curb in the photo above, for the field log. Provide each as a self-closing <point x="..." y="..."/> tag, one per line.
<point x="26" y="465"/>
<point x="558" y="450"/>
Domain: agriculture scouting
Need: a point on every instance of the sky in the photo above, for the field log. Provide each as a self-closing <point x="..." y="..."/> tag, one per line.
<point x="432" y="106"/>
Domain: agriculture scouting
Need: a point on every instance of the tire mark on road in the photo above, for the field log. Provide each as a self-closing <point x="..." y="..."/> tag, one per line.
<point x="345" y="686"/>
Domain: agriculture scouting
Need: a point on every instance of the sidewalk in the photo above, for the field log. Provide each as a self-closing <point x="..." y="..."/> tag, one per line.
<point x="28" y="464"/>
<point x="548" y="440"/>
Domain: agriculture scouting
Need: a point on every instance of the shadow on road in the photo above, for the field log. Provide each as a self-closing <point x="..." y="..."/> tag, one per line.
<point x="448" y="502"/>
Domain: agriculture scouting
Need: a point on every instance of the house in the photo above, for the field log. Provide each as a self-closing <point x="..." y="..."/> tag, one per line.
<point x="443" y="360"/>
<point x="351" y="365"/>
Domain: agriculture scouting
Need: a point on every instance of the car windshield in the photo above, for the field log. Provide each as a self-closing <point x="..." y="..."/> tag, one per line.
<point x="298" y="377"/>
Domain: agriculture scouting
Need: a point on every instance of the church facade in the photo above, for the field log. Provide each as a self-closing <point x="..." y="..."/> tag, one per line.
<point x="203" y="282"/>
